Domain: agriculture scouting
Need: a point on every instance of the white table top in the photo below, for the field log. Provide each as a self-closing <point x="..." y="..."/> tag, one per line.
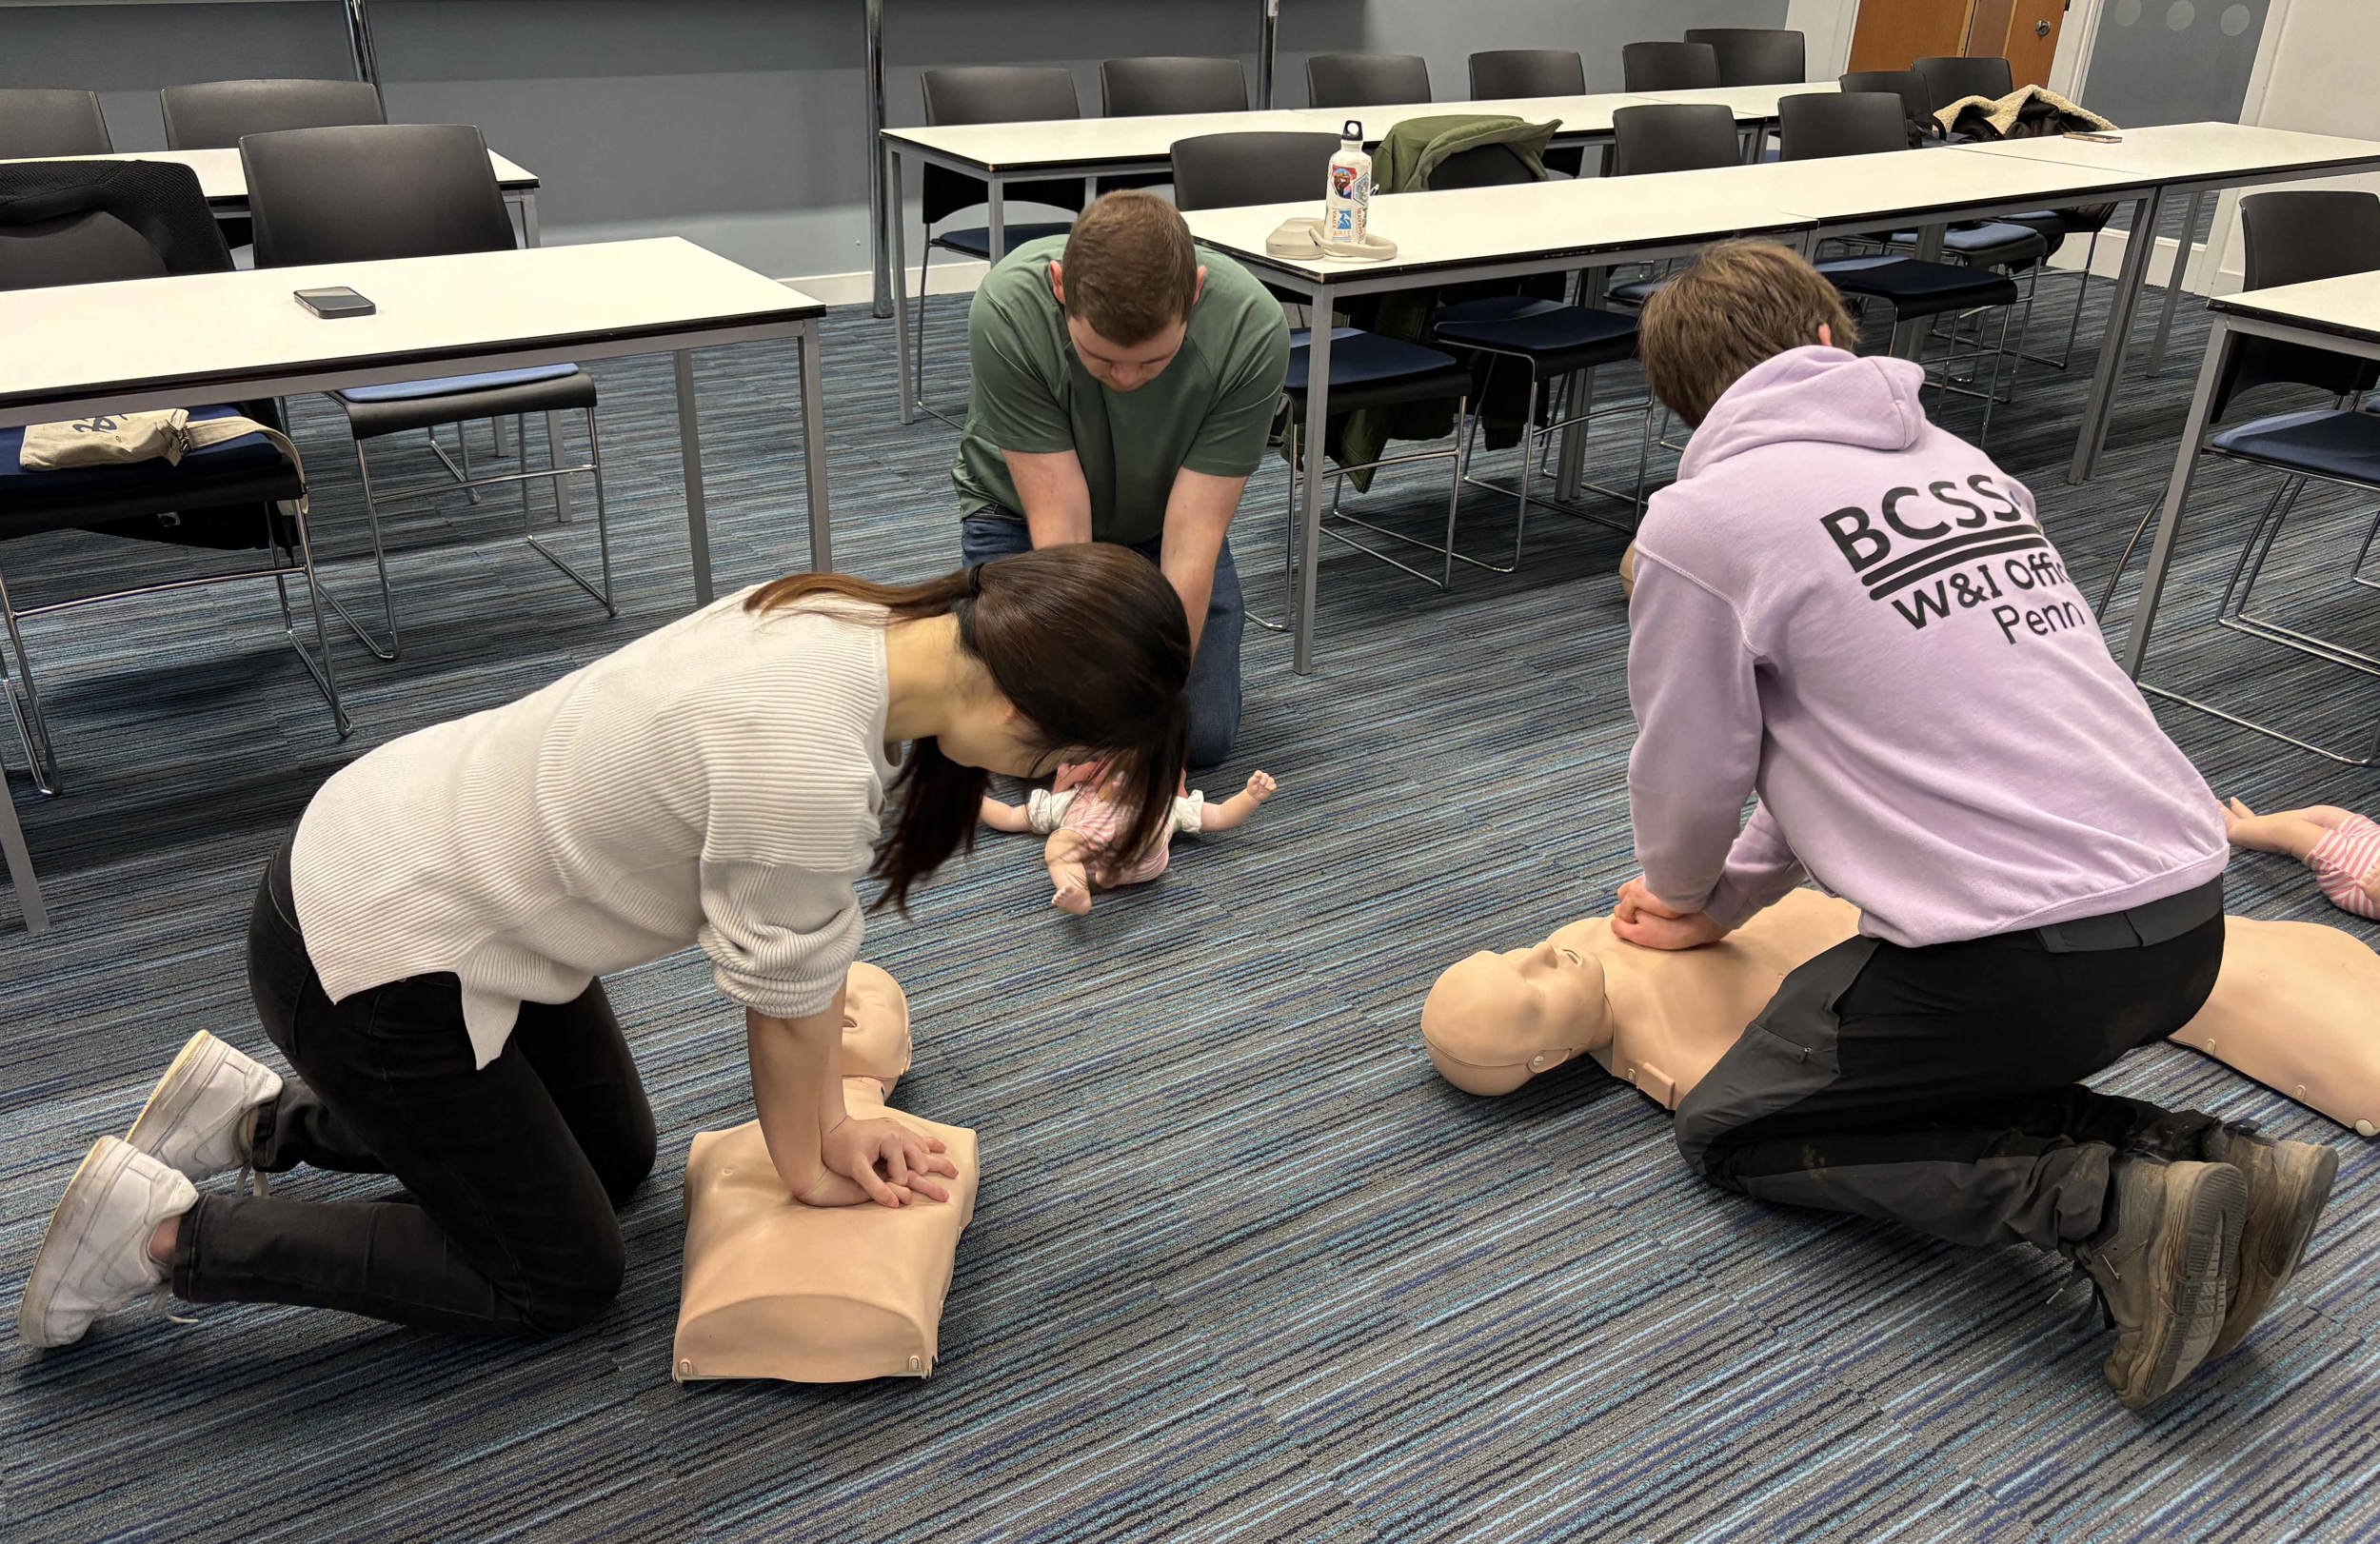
<point x="1471" y="225"/>
<point x="2180" y="152"/>
<point x="1590" y="114"/>
<point x="223" y="180"/>
<point x="181" y="340"/>
<point x="1748" y="103"/>
<point x="1897" y="184"/>
<point x="1090" y="142"/>
<point x="2349" y="305"/>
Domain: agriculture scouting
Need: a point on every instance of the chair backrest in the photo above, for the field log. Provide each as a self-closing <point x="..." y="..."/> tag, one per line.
<point x="373" y="190"/>
<point x="1916" y="98"/>
<point x="38" y="121"/>
<point x="2294" y="237"/>
<point x="995" y="94"/>
<point x="1755" y="55"/>
<point x="1951" y="78"/>
<point x="1141" y="88"/>
<point x="1673" y="136"/>
<point x="1508" y="72"/>
<point x="1223" y="171"/>
<point x="1814" y="125"/>
<point x="1482" y="165"/>
<point x="1363" y="80"/>
<point x="1669" y="66"/>
<point x="215" y="115"/>
<point x="81" y="221"/>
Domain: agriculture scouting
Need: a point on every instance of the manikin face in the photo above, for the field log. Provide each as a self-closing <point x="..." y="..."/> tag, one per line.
<point x="1116" y="366"/>
<point x="1494" y="1019"/>
<point x="1552" y="985"/>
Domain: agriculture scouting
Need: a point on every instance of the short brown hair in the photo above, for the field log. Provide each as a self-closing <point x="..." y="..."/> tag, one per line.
<point x="1742" y="302"/>
<point x="1130" y="269"/>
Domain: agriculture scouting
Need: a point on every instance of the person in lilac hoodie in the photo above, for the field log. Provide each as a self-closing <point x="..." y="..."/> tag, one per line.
<point x="1859" y="619"/>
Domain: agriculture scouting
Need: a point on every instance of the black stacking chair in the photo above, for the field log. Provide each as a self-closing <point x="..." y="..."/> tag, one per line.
<point x="70" y="223"/>
<point x="1817" y="125"/>
<point x="1668" y="136"/>
<point x="1363" y="80"/>
<point x="1504" y="73"/>
<point x="1367" y="371"/>
<point x="987" y="94"/>
<point x="1755" y="55"/>
<point x="2294" y="237"/>
<point x="388" y="190"/>
<point x="1953" y="77"/>
<point x="1149" y="86"/>
<point x="37" y="122"/>
<point x="1906" y="83"/>
<point x="214" y="115"/>
<point x="1669" y="66"/>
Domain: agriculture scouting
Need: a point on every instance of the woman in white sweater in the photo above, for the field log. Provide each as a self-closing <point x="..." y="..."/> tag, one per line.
<point x="427" y="949"/>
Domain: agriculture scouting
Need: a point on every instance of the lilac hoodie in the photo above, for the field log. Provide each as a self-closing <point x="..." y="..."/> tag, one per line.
<point x="1854" y="614"/>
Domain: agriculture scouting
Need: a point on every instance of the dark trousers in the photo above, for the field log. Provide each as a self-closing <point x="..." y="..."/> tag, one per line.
<point x="1940" y="1087"/>
<point x="1214" y="673"/>
<point x="511" y="1172"/>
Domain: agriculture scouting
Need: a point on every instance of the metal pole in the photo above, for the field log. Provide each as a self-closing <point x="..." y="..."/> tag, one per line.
<point x="877" y="195"/>
<point x="360" y="42"/>
<point x="1267" y="53"/>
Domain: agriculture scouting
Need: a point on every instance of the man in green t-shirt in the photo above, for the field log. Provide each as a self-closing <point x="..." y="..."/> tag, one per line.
<point x="1124" y="387"/>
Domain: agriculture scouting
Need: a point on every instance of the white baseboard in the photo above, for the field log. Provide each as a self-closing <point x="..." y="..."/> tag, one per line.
<point x="952" y="276"/>
<point x="2108" y="262"/>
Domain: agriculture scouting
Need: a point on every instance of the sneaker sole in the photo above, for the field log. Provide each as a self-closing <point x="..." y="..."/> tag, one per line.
<point x="2203" y="1216"/>
<point x="174" y="1095"/>
<point x="62" y="1245"/>
<point x="2308" y="1192"/>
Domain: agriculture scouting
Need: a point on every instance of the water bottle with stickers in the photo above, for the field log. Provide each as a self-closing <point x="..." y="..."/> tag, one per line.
<point x="1347" y="207"/>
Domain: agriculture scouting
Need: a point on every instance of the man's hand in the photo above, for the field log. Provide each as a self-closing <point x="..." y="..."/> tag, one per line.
<point x="883" y="1162"/>
<point x="1639" y="918"/>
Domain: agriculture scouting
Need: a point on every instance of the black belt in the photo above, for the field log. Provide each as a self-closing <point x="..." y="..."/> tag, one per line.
<point x="2151" y="923"/>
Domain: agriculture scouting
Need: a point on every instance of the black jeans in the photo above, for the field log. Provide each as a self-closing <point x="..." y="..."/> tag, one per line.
<point x="511" y="1172"/>
<point x="1941" y="1087"/>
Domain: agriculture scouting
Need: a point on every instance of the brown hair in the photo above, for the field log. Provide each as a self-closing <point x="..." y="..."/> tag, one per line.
<point x="1130" y="269"/>
<point x="1740" y="303"/>
<point x="1088" y="642"/>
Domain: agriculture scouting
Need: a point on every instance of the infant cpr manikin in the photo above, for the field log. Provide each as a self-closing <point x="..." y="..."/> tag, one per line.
<point x="2296" y="1007"/>
<point x="818" y="1293"/>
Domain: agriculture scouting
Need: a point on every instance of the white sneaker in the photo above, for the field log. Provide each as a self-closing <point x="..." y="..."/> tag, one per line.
<point x="201" y="1115"/>
<point x="95" y="1258"/>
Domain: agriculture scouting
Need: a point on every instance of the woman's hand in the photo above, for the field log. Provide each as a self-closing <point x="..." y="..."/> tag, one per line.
<point x="1639" y="918"/>
<point x="881" y="1162"/>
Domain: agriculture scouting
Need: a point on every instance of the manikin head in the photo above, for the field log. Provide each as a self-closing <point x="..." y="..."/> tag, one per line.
<point x="1128" y="282"/>
<point x="1495" y="1021"/>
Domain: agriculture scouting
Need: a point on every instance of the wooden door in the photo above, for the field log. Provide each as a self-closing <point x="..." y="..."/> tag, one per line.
<point x="1890" y="33"/>
<point x="2031" y="42"/>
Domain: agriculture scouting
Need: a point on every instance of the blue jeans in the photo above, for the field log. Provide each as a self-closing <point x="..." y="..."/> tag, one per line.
<point x="1214" y="674"/>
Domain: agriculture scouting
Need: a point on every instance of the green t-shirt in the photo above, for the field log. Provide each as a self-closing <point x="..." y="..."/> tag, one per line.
<point x="1209" y="411"/>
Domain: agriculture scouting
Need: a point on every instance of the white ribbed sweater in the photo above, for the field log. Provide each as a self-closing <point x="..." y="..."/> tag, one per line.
<point x="719" y="782"/>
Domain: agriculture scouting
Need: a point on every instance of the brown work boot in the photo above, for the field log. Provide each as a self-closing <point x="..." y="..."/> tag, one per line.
<point x="2286" y="1184"/>
<point x="2163" y="1261"/>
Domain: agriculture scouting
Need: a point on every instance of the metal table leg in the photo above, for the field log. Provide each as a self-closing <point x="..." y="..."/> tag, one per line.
<point x="2176" y="495"/>
<point x="876" y="188"/>
<point x="20" y="865"/>
<point x="903" y="346"/>
<point x="690" y="455"/>
<point x="1267" y="53"/>
<point x="2122" y="305"/>
<point x="360" y="42"/>
<point x="2175" y="280"/>
<point x="814" y="451"/>
<point x="1310" y="501"/>
<point x="1571" y="459"/>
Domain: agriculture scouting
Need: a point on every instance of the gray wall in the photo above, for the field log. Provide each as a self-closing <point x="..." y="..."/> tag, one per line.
<point x="741" y="124"/>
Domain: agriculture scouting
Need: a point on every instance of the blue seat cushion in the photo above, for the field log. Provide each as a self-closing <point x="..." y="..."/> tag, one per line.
<point x="1556" y="338"/>
<point x="2323" y="441"/>
<point x="1917" y="289"/>
<point x="1368" y="370"/>
<point x="1989" y="243"/>
<point x="247" y="469"/>
<point x="976" y="241"/>
<point x="448" y="385"/>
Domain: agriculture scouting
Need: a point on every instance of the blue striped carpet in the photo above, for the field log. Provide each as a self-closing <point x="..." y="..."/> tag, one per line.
<point x="1243" y="1268"/>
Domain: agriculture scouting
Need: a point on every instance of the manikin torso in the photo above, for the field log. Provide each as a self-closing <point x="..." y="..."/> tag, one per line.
<point x="2296" y="1007"/>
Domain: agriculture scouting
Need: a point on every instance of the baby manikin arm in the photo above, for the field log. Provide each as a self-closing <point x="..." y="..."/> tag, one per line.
<point x="819" y="1295"/>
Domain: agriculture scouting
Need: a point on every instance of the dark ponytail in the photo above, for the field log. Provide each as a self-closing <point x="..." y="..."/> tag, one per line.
<point x="1087" y="642"/>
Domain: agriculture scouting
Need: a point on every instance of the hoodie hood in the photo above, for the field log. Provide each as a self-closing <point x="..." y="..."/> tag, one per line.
<point x="1812" y="394"/>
